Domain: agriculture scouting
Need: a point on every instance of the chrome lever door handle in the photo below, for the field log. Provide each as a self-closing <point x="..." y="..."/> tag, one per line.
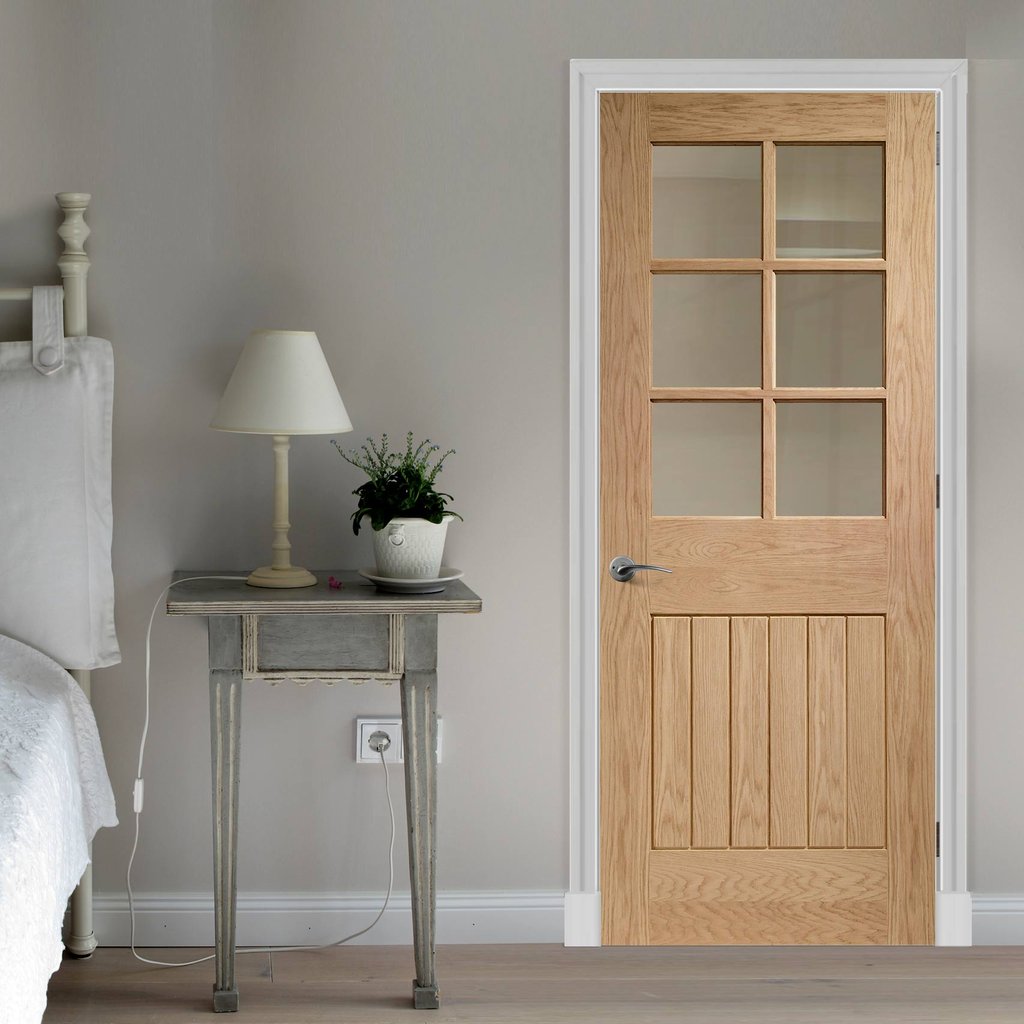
<point x="623" y="569"/>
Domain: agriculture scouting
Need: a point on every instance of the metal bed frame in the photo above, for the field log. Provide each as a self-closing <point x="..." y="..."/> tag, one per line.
<point x="73" y="264"/>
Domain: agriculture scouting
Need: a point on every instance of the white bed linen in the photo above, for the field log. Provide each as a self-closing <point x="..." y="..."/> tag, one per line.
<point x="54" y="794"/>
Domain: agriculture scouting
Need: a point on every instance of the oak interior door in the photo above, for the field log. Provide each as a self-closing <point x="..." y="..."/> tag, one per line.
<point x="767" y="434"/>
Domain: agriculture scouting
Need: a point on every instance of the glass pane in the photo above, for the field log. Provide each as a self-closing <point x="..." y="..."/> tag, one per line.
<point x="707" y="330"/>
<point x="829" y="459"/>
<point x="829" y="330"/>
<point x="706" y="458"/>
<point x="707" y="201"/>
<point x="829" y="201"/>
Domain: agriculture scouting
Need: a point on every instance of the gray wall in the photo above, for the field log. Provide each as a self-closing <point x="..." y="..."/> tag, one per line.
<point x="995" y="46"/>
<point x="395" y="176"/>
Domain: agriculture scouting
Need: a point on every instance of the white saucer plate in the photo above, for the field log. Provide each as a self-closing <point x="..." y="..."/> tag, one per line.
<point x="390" y="585"/>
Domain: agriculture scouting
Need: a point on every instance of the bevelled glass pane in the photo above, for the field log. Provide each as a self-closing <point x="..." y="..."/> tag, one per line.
<point x="829" y="458"/>
<point x="707" y="201"/>
<point x="706" y="458"/>
<point x="829" y="201"/>
<point x="707" y="330"/>
<point x="829" y="330"/>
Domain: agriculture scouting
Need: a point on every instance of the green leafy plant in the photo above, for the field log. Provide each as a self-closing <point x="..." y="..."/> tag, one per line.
<point x="401" y="484"/>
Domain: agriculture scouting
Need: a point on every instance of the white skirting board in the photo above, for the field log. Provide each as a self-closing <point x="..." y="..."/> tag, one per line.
<point x="186" y="919"/>
<point x="282" y="919"/>
<point x="998" y="919"/>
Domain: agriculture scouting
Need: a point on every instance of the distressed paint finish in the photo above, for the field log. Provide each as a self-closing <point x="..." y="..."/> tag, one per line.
<point x="225" y="733"/>
<point x="419" y="730"/>
<point x="356" y="597"/>
<point x="397" y="630"/>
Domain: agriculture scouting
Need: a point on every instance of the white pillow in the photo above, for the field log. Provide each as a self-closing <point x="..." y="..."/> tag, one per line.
<point x="56" y="584"/>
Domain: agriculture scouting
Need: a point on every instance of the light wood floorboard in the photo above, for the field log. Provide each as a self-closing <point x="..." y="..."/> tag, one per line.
<point x="553" y="985"/>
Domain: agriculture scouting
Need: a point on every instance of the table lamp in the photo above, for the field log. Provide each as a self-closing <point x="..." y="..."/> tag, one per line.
<point x="281" y="386"/>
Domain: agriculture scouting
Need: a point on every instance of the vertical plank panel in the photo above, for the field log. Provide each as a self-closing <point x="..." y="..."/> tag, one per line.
<point x="826" y="740"/>
<point x="625" y="506"/>
<point x="749" y="651"/>
<point x="910" y="481"/>
<point x="671" y="754"/>
<point x="787" y="715"/>
<point x="865" y="730"/>
<point x="710" y="689"/>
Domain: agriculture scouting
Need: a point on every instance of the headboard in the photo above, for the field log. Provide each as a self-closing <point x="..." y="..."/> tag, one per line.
<point x="73" y="264"/>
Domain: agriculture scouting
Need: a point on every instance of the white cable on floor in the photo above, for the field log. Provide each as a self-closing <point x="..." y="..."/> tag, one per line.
<point x="137" y="801"/>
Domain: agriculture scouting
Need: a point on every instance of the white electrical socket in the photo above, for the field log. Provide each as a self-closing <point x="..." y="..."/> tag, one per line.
<point x="395" y="754"/>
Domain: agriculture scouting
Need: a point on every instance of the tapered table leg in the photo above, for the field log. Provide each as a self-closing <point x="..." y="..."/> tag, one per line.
<point x="225" y="722"/>
<point x="419" y="728"/>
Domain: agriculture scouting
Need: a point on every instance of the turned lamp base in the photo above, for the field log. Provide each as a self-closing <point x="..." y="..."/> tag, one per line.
<point x="285" y="578"/>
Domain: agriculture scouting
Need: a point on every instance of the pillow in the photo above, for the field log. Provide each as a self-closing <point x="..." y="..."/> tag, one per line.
<point x="56" y="584"/>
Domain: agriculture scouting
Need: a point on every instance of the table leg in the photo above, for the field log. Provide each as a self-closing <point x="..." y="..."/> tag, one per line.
<point x="225" y="722"/>
<point x="419" y="727"/>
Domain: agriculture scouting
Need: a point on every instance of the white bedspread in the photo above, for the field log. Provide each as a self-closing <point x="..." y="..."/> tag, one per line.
<point x="54" y="795"/>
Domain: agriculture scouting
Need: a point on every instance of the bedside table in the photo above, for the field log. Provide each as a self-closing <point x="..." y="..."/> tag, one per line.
<point x="352" y="634"/>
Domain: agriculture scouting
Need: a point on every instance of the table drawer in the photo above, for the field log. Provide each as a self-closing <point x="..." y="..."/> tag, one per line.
<point x="350" y="647"/>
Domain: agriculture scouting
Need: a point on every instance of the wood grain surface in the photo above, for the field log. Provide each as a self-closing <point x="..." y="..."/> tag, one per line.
<point x="768" y="897"/>
<point x="783" y="117"/>
<point x="625" y="499"/>
<point x="802" y="721"/>
<point x="910" y="486"/>
<point x="865" y="731"/>
<point x="787" y="677"/>
<point x="756" y="567"/>
<point x="515" y="984"/>
<point x="826" y="739"/>
<point x="672" y="728"/>
<point x="712" y="797"/>
<point x="769" y="732"/>
<point x="749" y="732"/>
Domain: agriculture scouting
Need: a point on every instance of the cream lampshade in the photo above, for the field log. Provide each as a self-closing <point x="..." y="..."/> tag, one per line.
<point x="281" y="386"/>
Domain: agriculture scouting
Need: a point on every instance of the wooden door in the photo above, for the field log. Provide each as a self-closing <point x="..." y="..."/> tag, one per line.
<point x="767" y="434"/>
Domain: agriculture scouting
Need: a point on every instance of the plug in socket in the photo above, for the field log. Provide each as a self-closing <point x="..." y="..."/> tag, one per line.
<point x="379" y="741"/>
<point x="366" y="753"/>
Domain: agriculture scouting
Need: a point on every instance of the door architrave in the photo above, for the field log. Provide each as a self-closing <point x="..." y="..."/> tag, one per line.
<point x="588" y="79"/>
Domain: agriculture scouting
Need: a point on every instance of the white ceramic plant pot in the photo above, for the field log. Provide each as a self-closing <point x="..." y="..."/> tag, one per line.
<point x="410" y="549"/>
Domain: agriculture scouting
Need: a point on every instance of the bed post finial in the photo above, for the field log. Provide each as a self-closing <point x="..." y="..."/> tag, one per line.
<point x="74" y="262"/>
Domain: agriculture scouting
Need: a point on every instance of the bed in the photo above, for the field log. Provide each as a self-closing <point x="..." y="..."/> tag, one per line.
<point x="56" y="609"/>
<point x="54" y="795"/>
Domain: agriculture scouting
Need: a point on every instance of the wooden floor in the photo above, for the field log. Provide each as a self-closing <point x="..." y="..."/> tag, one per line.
<point x="550" y="984"/>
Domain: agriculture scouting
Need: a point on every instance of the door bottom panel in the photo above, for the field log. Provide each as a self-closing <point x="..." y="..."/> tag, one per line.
<point x="768" y="897"/>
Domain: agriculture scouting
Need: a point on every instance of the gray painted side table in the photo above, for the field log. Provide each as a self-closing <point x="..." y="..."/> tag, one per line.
<point x="353" y="634"/>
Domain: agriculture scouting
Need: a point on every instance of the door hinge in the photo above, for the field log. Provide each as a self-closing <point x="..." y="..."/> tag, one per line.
<point x="938" y="148"/>
<point x="938" y="491"/>
<point x="938" y="839"/>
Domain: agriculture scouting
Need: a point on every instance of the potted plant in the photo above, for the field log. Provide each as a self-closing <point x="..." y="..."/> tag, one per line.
<point x="408" y="514"/>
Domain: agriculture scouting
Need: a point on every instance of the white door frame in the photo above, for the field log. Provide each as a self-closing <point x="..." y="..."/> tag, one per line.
<point x="587" y="80"/>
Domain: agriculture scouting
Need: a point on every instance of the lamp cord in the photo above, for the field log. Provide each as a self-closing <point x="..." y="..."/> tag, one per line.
<point x="137" y="802"/>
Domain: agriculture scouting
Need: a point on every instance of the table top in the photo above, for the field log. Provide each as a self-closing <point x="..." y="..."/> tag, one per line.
<point x="357" y="596"/>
